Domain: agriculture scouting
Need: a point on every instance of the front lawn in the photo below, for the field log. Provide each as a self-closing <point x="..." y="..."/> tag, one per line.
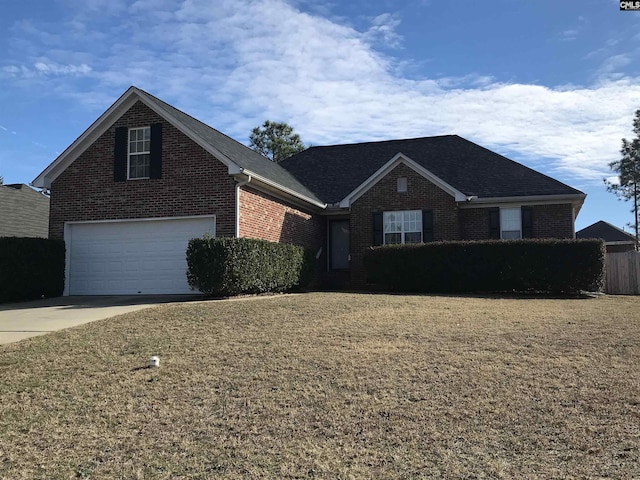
<point x="328" y="385"/>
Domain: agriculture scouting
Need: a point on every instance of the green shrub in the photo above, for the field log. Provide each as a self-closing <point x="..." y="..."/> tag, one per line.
<point x="232" y="266"/>
<point x="554" y="266"/>
<point x="30" y="268"/>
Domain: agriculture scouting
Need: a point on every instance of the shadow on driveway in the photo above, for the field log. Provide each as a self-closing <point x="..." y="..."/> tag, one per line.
<point x="28" y="319"/>
<point x="88" y="301"/>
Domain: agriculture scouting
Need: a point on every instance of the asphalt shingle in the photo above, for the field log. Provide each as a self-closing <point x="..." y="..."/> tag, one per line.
<point x="333" y="172"/>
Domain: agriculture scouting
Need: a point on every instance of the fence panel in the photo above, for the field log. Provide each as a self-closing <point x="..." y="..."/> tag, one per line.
<point x="623" y="273"/>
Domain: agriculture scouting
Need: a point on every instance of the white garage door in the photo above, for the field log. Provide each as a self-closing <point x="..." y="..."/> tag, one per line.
<point x="136" y="257"/>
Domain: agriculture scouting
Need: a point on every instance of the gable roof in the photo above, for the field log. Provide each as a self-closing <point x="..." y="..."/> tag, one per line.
<point x="237" y="157"/>
<point x="607" y="232"/>
<point x="24" y="212"/>
<point x="334" y="172"/>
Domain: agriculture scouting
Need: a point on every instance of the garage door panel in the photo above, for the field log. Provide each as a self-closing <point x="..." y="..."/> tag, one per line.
<point x="122" y="258"/>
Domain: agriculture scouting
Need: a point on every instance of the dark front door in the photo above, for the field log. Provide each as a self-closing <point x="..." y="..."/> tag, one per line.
<point x="339" y="244"/>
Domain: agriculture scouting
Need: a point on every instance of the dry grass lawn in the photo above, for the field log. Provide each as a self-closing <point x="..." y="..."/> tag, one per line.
<point x="334" y="386"/>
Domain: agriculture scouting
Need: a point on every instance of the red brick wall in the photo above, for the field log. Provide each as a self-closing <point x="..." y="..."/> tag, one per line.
<point x="383" y="196"/>
<point x="267" y="218"/>
<point x="549" y="221"/>
<point x="193" y="182"/>
<point x="553" y="221"/>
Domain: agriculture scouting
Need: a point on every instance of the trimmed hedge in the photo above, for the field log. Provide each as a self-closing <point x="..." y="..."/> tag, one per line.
<point x="553" y="266"/>
<point x="30" y="268"/>
<point x="232" y="266"/>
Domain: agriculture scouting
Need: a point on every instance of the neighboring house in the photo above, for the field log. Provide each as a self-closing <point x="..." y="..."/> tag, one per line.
<point x="24" y="212"/>
<point x="145" y="177"/>
<point x="615" y="239"/>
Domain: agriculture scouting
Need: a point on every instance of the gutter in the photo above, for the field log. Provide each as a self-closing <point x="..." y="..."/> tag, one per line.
<point x="239" y="185"/>
<point x="284" y="189"/>
<point x="575" y="198"/>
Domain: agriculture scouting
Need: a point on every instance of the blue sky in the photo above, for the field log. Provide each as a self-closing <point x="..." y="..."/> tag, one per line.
<point x="553" y="85"/>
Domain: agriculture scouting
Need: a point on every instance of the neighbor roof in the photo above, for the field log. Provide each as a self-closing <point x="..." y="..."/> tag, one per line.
<point x="24" y="212"/>
<point x="607" y="232"/>
<point x="333" y="172"/>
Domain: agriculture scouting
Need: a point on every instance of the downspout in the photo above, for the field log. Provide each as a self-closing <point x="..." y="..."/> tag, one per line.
<point x="238" y="186"/>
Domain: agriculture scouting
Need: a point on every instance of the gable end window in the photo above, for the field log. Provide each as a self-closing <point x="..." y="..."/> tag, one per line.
<point x="138" y="153"/>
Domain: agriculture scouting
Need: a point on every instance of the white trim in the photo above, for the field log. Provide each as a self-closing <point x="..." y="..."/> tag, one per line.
<point x="105" y="121"/>
<point x="129" y="154"/>
<point x="90" y="135"/>
<point x="284" y="189"/>
<point x="145" y="219"/>
<point x="523" y="201"/>
<point x="502" y="230"/>
<point x="398" y="159"/>
<point x="68" y="238"/>
<point x="239" y="185"/>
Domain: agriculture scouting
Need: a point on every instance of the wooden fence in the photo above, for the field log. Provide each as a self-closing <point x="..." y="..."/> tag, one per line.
<point x="623" y="273"/>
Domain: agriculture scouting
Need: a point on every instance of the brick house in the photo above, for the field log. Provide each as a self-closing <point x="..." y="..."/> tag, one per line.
<point x="145" y="177"/>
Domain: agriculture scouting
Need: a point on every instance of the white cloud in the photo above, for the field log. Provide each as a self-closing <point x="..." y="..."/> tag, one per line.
<point x="56" y="69"/>
<point x="46" y="69"/>
<point x="383" y="29"/>
<point x="222" y="65"/>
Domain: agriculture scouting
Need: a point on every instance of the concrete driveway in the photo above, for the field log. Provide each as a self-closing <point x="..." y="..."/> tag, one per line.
<point x="29" y="319"/>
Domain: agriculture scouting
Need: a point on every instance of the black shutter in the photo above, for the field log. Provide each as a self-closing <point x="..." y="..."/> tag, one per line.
<point x="120" y="155"/>
<point x="494" y="223"/>
<point x="377" y="228"/>
<point x="427" y="226"/>
<point x="155" y="162"/>
<point x="527" y="222"/>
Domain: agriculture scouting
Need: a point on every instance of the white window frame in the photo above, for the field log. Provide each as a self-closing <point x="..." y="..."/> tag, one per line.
<point x="131" y="154"/>
<point x="392" y="225"/>
<point x="512" y="212"/>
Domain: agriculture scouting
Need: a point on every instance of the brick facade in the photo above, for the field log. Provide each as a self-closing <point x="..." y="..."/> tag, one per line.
<point x="265" y="217"/>
<point x="549" y="221"/>
<point x="421" y="194"/>
<point x="193" y="182"/>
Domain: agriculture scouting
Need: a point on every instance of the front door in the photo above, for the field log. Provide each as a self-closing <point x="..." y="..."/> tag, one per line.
<point x="339" y="244"/>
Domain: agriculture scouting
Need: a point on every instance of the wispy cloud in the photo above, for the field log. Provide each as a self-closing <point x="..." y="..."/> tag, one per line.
<point x="324" y="77"/>
<point x="45" y="69"/>
<point x="573" y="32"/>
<point x="383" y="29"/>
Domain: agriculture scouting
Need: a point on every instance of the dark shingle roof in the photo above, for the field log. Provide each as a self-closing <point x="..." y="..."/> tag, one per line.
<point x="238" y="153"/>
<point x="23" y="212"/>
<point x="605" y="231"/>
<point x="335" y="171"/>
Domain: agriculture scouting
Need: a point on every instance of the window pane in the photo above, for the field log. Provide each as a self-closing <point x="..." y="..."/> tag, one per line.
<point x="511" y="234"/>
<point x="132" y="135"/>
<point x="139" y="166"/>
<point x="510" y="224"/>
<point x="146" y="145"/>
<point x="147" y="133"/>
<point x="413" y="237"/>
<point x="392" y="238"/>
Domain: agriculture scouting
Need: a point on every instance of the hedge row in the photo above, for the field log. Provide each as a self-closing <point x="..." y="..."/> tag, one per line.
<point x="30" y="268"/>
<point x="554" y="266"/>
<point x="232" y="266"/>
